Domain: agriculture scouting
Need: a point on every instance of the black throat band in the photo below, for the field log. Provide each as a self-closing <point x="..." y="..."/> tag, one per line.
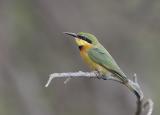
<point x="80" y="47"/>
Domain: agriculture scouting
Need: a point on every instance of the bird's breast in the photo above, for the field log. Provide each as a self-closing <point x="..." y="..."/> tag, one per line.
<point x="84" y="55"/>
<point x="88" y="60"/>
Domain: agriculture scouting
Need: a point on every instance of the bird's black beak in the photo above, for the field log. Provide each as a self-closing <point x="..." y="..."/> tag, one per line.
<point x="71" y="34"/>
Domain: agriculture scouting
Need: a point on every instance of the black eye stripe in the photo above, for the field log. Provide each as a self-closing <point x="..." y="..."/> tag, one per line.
<point x="88" y="40"/>
<point x="84" y="38"/>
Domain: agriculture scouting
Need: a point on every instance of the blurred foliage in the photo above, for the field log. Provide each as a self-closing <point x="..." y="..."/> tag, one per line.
<point x="32" y="46"/>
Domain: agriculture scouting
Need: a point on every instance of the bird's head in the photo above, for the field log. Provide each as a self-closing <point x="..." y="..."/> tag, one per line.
<point x="83" y="39"/>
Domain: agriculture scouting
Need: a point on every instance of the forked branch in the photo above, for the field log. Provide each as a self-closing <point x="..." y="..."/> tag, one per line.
<point x="141" y="103"/>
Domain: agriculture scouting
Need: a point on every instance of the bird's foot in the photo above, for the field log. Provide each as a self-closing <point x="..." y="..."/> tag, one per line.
<point x="100" y="76"/>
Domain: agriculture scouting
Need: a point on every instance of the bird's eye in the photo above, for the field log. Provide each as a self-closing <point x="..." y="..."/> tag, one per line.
<point x="84" y="38"/>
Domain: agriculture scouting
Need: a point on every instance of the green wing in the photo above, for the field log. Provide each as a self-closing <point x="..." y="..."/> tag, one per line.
<point x="101" y="56"/>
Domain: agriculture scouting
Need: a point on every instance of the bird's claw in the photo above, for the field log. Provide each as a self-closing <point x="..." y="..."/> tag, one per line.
<point x="100" y="76"/>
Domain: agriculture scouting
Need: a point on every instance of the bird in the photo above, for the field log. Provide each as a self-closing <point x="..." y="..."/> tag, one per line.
<point x="98" y="58"/>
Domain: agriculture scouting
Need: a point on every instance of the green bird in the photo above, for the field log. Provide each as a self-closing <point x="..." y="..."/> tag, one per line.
<point x="98" y="58"/>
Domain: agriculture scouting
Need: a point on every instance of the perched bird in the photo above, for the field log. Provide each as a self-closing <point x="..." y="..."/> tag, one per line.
<point x="98" y="58"/>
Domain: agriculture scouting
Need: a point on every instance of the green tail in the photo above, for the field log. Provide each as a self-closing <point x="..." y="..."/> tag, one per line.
<point x="135" y="88"/>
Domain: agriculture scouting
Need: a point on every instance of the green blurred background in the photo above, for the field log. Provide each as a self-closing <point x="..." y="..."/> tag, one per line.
<point x="32" y="46"/>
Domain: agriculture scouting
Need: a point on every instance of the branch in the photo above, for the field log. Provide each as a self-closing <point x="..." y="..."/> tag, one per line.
<point x="141" y="104"/>
<point x="80" y="74"/>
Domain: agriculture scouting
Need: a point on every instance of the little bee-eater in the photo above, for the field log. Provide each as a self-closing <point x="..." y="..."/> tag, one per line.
<point x="98" y="58"/>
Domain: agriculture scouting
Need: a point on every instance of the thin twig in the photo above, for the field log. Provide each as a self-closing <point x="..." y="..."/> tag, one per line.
<point x="139" y="107"/>
<point x="79" y="74"/>
<point x="139" y="94"/>
<point x="150" y="104"/>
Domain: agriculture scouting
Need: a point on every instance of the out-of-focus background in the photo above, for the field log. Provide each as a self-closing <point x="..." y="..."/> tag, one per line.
<point x="32" y="46"/>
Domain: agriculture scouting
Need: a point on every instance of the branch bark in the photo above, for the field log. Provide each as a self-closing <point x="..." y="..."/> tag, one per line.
<point x="142" y="104"/>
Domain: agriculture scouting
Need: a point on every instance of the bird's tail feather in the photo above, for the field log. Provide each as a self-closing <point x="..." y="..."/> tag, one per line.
<point x="134" y="87"/>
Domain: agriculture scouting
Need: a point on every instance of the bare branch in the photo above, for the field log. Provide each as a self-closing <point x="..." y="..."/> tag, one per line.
<point x="141" y="106"/>
<point x="79" y="74"/>
<point x="150" y="104"/>
<point x="67" y="80"/>
<point x="135" y="78"/>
